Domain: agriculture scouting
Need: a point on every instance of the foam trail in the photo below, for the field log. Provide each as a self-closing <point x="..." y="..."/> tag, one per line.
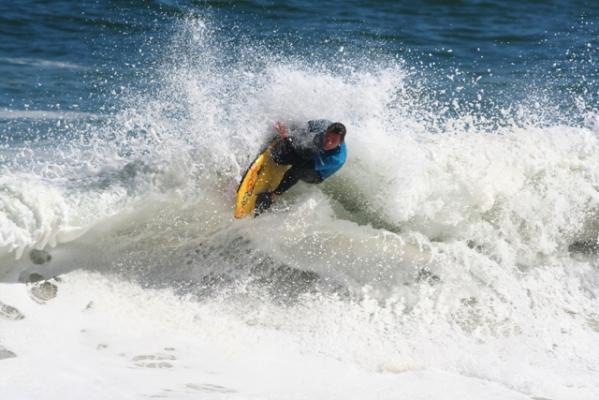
<point x="42" y="63"/>
<point x="9" y="114"/>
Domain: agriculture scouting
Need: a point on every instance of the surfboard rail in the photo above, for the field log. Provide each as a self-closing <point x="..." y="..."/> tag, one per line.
<point x="263" y="175"/>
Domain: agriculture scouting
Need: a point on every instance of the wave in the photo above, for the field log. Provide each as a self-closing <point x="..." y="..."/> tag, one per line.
<point x="519" y="192"/>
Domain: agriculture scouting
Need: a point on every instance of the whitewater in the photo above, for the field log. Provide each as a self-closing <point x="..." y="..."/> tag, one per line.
<point x="453" y="257"/>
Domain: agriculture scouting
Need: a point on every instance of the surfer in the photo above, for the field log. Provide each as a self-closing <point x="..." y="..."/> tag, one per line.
<point x="314" y="151"/>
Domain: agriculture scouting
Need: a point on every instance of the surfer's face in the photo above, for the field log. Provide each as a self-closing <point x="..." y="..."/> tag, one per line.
<point x="331" y="141"/>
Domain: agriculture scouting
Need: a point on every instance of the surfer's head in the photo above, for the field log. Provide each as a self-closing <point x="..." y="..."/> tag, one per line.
<point x="333" y="136"/>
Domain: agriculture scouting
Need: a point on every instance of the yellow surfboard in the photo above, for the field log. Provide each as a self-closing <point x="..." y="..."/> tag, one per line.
<point x="263" y="175"/>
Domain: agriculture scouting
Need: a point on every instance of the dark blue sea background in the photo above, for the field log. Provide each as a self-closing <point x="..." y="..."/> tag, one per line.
<point x="80" y="56"/>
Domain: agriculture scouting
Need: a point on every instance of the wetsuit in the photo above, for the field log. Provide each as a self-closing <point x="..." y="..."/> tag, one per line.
<point x="303" y="150"/>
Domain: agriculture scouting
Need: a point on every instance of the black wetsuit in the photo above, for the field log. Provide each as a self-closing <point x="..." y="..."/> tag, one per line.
<point x="301" y="168"/>
<point x="301" y="150"/>
<point x="304" y="151"/>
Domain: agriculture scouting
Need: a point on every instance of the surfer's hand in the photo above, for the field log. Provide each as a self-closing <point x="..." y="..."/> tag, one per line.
<point x="282" y="130"/>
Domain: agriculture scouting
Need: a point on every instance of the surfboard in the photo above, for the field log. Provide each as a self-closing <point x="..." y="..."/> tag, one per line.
<point x="263" y="175"/>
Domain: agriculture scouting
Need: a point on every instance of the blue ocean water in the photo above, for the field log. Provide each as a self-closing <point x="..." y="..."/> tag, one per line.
<point x="79" y="55"/>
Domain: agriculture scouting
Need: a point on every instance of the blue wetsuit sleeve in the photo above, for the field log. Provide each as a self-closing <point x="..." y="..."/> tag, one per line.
<point x="327" y="164"/>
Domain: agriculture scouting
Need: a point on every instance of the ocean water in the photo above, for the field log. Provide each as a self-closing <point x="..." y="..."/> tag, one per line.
<point x="455" y="256"/>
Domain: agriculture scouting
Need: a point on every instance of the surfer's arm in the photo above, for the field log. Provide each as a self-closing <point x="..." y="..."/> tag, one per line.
<point x="290" y="149"/>
<point x="282" y="130"/>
